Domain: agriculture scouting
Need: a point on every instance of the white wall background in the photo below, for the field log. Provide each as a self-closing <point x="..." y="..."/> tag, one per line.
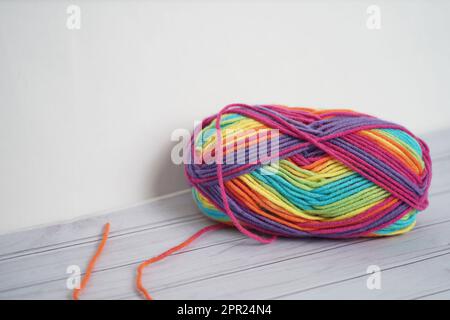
<point x="86" y="115"/>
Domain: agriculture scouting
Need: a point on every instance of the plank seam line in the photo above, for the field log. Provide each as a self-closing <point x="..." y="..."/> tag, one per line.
<point x="430" y="294"/>
<point x="116" y="234"/>
<point x="364" y="274"/>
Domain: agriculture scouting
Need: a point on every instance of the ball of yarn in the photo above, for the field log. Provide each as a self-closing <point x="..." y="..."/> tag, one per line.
<point x="335" y="174"/>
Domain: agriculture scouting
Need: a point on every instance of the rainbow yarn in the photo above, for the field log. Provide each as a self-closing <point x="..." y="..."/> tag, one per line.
<point x="336" y="174"/>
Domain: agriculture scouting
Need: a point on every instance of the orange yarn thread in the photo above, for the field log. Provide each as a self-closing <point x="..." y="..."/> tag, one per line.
<point x="168" y="253"/>
<point x="140" y="269"/>
<point x="91" y="265"/>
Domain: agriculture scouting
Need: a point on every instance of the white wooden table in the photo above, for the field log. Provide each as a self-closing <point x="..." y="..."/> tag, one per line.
<point x="225" y="264"/>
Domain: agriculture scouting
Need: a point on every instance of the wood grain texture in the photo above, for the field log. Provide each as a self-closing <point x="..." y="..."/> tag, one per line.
<point x="225" y="264"/>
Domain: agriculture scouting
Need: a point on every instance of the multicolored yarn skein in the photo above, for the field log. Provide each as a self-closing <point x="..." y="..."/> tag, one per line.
<point x="340" y="174"/>
<point x="334" y="174"/>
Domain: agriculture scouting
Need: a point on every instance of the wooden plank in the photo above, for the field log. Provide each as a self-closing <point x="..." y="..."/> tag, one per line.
<point x="190" y="274"/>
<point x="438" y="142"/>
<point x="408" y="280"/>
<point x="33" y="264"/>
<point x="139" y="218"/>
<point x="278" y="277"/>
<point x="121" y="250"/>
